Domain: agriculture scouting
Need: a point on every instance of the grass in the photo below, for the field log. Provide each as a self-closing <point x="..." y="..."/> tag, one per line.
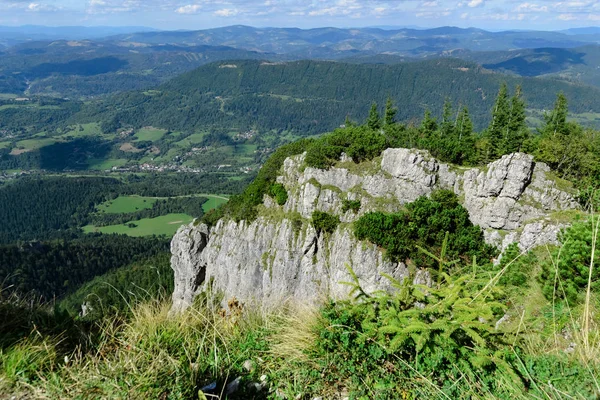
<point x="34" y="144"/>
<point x="149" y="133"/>
<point x="213" y="202"/>
<point x="5" y="145"/>
<point x="126" y="204"/>
<point x="8" y="96"/>
<point x="165" y="225"/>
<point x="85" y="130"/>
<point x="193" y="139"/>
<point x="103" y="165"/>
<point x="150" y="356"/>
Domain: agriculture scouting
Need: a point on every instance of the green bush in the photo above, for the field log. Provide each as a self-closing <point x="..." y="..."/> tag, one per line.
<point x="324" y="222"/>
<point x="353" y="205"/>
<point x="518" y="267"/>
<point x="425" y="223"/>
<point x="382" y="340"/>
<point x="279" y="193"/>
<point x="572" y="263"/>
<point x="360" y="143"/>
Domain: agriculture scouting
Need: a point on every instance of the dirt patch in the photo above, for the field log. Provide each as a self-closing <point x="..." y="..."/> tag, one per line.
<point x="175" y="222"/>
<point x="129" y="148"/>
<point x="17" y="152"/>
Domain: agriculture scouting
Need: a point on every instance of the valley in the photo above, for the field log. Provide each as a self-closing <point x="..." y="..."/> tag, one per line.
<point x="298" y="213"/>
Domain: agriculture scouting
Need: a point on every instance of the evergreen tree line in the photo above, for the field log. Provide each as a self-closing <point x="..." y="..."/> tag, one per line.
<point x="115" y="291"/>
<point x="52" y="269"/>
<point x="567" y="147"/>
<point x="571" y="150"/>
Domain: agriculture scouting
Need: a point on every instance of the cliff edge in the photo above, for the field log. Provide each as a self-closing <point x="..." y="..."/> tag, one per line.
<point x="280" y="256"/>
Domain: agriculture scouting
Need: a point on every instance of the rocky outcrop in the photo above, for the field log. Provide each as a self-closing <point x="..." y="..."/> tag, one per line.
<point x="280" y="256"/>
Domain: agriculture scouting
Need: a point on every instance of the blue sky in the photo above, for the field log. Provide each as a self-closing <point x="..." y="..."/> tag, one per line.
<point x="200" y="14"/>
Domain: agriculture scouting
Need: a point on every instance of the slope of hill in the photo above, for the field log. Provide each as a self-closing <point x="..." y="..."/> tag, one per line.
<point x="89" y="68"/>
<point x="578" y="64"/>
<point x="313" y="97"/>
<point x="11" y="35"/>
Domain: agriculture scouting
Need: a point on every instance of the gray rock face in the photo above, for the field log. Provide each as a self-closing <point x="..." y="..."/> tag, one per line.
<point x="186" y="248"/>
<point x="267" y="262"/>
<point x="280" y="257"/>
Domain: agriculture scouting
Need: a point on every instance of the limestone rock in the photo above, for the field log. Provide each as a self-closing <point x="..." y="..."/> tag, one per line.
<point x="186" y="251"/>
<point x="277" y="258"/>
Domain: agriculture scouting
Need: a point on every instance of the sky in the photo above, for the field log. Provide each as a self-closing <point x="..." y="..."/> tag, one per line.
<point x="202" y="14"/>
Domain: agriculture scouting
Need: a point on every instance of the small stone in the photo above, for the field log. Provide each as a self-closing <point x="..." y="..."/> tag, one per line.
<point x="210" y="387"/>
<point x="263" y="378"/>
<point x="233" y="386"/>
<point x="249" y="365"/>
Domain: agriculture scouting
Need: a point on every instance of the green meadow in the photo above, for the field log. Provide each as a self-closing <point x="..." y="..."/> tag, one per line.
<point x="166" y="225"/>
<point x="150" y="134"/>
<point x="126" y="204"/>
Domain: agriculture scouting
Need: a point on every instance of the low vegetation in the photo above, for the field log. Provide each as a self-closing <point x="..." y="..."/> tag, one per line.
<point x="459" y="343"/>
<point x="427" y="223"/>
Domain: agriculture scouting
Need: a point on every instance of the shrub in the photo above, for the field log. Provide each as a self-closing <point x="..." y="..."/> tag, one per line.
<point x="353" y="205"/>
<point x="518" y="267"/>
<point x="279" y="193"/>
<point x="324" y="222"/>
<point x="571" y="263"/>
<point x="393" y="345"/>
<point x="425" y="223"/>
<point x="359" y="143"/>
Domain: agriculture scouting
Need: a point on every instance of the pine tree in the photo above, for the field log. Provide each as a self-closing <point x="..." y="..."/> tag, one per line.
<point x="516" y="129"/>
<point x="556" y="121"/>
<point x="429" y="125"/>
<point x="464" y="125"/>
<point x="390" y="112"/>
<point x="500" y="117"/>
<point x="448" y="124"/>
<point x="374" y="120"/>
<point x="348" y="123"/>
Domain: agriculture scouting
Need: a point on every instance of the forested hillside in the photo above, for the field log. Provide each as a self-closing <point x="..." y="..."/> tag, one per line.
<point x="87" y="69"/>
<point x="312" y="97"/>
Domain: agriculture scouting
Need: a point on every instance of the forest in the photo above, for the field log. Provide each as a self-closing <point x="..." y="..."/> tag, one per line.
<point x="40" y="208"/>
<point x="571" y="150"/>
<point x="49" y="270"/>
<point x="314" y="97"/>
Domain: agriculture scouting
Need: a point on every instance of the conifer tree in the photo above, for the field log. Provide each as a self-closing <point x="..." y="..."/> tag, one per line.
<point x="516" y="128"/>
<point x="429" y="125"/>
<point x="464" y="125"/>
<point x="556" y="121"/>
<point x="390" y="112"/>
<point x="448" y="123"/>
<point x="374" y="120"/>
<point x="348" y="123"/>
<point x="497" y="128"/>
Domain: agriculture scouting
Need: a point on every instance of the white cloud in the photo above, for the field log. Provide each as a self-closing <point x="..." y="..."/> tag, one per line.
<point x="475" y="3"/>
<point x="38" y="7"/>
<point x="189" y="9"/>
<point x="226" y="12"/>
<point x="530" y="7"/>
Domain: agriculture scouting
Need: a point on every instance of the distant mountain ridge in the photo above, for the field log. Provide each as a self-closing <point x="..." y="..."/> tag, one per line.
<point x="403" y="41"/>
